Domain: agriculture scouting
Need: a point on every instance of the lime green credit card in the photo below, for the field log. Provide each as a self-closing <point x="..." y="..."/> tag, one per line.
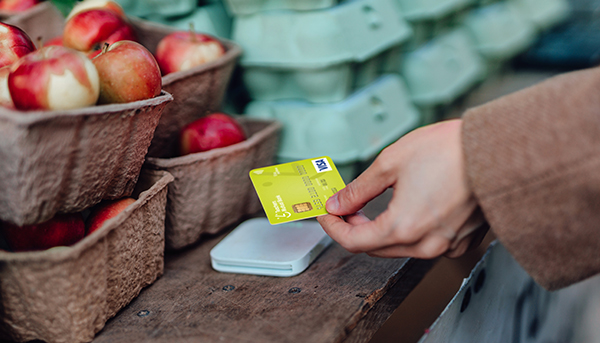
<point x="296" y="190"/>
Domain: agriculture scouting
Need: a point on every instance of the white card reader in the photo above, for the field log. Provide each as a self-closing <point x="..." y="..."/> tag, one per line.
<point x="257" y="247"/>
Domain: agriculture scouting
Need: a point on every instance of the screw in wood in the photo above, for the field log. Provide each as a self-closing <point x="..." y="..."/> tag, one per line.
<point x="143" y="313"/>
<point x="228" y="288"/>
<point x="294" y="290"/>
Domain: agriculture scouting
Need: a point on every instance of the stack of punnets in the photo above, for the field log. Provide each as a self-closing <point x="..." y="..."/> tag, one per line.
<point x="70" y="160"/>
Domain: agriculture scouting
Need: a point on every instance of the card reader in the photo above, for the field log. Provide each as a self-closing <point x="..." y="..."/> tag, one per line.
<point x="259" y="248"/>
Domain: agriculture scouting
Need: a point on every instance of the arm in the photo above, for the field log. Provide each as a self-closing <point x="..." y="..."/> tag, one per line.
<point x="533" y="161"/>
<point x="530" y="161"/>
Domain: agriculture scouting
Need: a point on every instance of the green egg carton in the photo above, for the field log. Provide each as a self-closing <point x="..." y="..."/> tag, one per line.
<point x="212" y="19"/>
<point x="246" y="7"/>
<point x="165" y="8"/>
<point x="319" y="56"/>
<point x="443" y="69"/>
<point x="544" y="13"/>
<point x="350" y="131"/>
<point x="426" y="10"/>
<point x="500" y="31"/>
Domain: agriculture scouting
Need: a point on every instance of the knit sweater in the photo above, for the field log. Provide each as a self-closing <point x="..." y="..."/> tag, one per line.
<point x="533" y="161"/>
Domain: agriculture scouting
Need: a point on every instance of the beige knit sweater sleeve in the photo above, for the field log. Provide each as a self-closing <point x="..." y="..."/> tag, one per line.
<point x="533" y="160"/>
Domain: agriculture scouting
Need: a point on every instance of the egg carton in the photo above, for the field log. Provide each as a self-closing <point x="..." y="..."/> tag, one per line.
<point x="442" y="70"/>
<point x="350" y="131"/>
<point x="211" y="19"/>
<point x="543" y="13"/>
<point x="430" y="18"/>
<point x="212" y="189"/>
<point x="247" y="7"/>
<point x="500" y="31"/>
<point x="196" y="91"/>
<point x="164" y="8"/>
<point x="319" y="56"/>
<point x="66" y="294"/>
<point x="430" y="10"/>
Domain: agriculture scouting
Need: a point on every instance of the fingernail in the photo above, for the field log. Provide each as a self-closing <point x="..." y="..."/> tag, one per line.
<point x="333" y="203"/>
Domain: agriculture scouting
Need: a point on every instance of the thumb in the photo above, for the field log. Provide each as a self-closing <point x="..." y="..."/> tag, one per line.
<point x="357" y="193"/>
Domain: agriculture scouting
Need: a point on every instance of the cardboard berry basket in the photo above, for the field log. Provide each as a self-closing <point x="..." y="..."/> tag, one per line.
<point x="212" y="189"/>
<point x="196" y="92"/>
<point x="66" y="294"/>
<point x="68" y="160"/>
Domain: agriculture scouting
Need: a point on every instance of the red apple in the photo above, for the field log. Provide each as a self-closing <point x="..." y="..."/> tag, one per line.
<point x="62" y="230"/>
<point x="215" y="130"/>
<point x="5" y="98"/>
<point x="53" y="78"/>
<point x="54" y="41"/>
<point x="104" y="211"/>
<point x="128" y="72"/>
<point x="14" y="44"/>
<point x="17" y="5"/>
<point x="85" y="5"/>
<point x="183" y="50"/>
<point x="87" y="31"/>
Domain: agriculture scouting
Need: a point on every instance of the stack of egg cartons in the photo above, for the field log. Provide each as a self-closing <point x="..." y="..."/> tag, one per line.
<point x="459" y="43"/>
<point x="503" y="29"/>
<point x="206" y="16"/>
<point x="328" y="72"/>
<point x="441" y="63"/>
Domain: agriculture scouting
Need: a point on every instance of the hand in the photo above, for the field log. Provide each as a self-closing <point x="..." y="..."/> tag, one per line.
<point x="433" y="211"/>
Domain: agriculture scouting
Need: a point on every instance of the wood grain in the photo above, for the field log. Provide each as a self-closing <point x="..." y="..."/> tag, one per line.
<point x="341" y="296"/>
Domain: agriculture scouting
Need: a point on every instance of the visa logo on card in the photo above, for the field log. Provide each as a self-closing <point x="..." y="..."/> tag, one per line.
<point x="296" y="190"/>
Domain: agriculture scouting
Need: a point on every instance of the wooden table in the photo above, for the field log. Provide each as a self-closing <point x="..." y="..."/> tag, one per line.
<point x="341" y="297"/>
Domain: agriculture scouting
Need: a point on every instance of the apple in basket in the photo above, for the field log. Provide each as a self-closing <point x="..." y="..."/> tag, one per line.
<point x="17" y="5"/>
<point x="54" y="41"/>
<point x="14" y="44"/>
<point x="53" y="78"/>
<point x="5" y="98"/>
<point x="87" y="31"/>
<point x="182" y="50"/>
<point x="85" y="5"/>
<point x="128" y="72"/>
<point x="215" y="130"/>
<point x="105" y="211"/>
<point x="61" y="230"/>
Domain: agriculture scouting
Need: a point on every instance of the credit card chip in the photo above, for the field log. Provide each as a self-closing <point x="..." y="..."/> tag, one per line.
<point x="302" y="207"/>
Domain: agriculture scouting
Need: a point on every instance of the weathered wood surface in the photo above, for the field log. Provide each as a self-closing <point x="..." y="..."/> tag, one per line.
<point x="193" y="302"/>
<point x="340" y="297"/>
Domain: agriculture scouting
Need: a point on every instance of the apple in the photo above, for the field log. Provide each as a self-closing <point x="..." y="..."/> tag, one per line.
<point x="17" y="5"/>
<point x="14" y="44"/>
<point x="128" y="72"/>
<point x="215" y="130"/>
<point x="53" y="78"/>
<point x="183" y="50"/>
<point x="61" y="230"/>
<point x="104" y="211"/>
<point x="54" y="41"/>
<point x="5" y="98"/>
<point x="87" y="31"/>
<point x="85" y="5"/>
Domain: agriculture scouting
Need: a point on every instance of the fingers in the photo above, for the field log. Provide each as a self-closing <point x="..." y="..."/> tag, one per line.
<point x="357" y="218"/>
<point x="345" y="232"/>
<point x="359" y="234"/>
<point x="429" y="247"/>
<point x="370" y="184"/>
